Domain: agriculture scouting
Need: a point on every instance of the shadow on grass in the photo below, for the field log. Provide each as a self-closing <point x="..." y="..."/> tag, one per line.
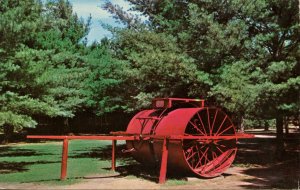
<point x="284" y="175"/>
<point x="266" y="170"/>
<point x="104" y="153"/>
<point x="255" y="152"/>
<point x="69" y="180"/>
<point x="127" y="166"/>
<point x="8" y="151"/>
<point x="13" y="167"/>
<point x="149" y="173"/>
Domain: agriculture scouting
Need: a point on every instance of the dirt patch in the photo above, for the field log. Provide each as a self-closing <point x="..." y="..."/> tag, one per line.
<point x="234" y="178"/>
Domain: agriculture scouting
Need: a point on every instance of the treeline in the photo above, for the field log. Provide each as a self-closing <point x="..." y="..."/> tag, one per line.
<point x="240" y="54"/>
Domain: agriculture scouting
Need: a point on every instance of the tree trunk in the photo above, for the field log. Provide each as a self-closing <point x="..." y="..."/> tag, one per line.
<point x="286" y="125"/>
<point x="299" y="113"/>
<point x="66" y="126"/>
<point x="242" y="127"/>
<point x="67" y="129"/>
<point x="266" y="126"/>
<point x="240" y="124"/>
<point x="8" y="132"/>
<point x="279" y="138"/>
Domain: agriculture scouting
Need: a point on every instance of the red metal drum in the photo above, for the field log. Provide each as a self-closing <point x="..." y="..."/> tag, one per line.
<point x="205" y="158"/>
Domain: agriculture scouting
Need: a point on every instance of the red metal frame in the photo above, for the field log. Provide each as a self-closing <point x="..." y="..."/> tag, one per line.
<point x="142" y="120"/>
<point x="130" y="137"/>
<point x="64" y="159"/>
<point x="113" y="155"/>
<point x="168" y="102"/>
<point x="164" y="160"/>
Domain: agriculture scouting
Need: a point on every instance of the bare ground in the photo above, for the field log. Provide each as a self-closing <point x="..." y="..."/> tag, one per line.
<point x="234" y="178"/>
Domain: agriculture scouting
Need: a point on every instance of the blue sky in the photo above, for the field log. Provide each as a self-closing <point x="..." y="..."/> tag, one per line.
<point x="84" y="8"/>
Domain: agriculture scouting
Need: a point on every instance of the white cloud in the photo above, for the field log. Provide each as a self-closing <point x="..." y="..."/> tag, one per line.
<point x="124" y="4"/>
<point x="85" y="8"/>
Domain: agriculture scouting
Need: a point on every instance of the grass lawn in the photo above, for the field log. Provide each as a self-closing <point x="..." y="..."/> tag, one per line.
<point x="40" y="162"/>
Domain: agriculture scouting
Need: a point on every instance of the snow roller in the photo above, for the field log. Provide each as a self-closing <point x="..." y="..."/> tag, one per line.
<point x="178" y="134"/>
<point x="202" y="140"/>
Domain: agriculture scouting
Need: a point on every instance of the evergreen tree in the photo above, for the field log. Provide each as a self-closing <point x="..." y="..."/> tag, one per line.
<point x="42" y="69"/>
<point x="105" y="82"/>
<point x="247" y="51"/>
<point x="156" y="67"/>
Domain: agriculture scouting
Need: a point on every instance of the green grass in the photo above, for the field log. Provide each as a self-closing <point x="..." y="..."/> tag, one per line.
<point x="174" y="182"/>
<point x="41" y="162"/>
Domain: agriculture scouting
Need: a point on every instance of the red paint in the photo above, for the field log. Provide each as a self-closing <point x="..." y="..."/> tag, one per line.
<point x="164" y="162"/>
<point x="64" y="160"/>
<point x="169" y="102"/>
<point x="113" y="155"/>
<point x="202" y="139"/>
<point x="188" y="137"/>
<point x="136" y="136"/>
<point x="90" y="137"/>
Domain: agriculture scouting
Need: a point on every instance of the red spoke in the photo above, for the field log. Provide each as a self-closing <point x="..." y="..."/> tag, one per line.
<point x="213" y="124"/>
<point x="202" y="146"/>
<point x="195" y="127"/>
<point x="205" y="162"/>
<point x="191" y="155"/>
<point x="225" y="130"/>
<point x="219" y="149"/>
<point x="206" y="159"/>
<point x="202" y="123"/>
<point x="221" y="124"/>
<point x="200" y="159"/>
<point x="203" y="153"/>
<point x="208" y="120"/>
<point x="189" y="150"/>
<point x="210" y="157"/>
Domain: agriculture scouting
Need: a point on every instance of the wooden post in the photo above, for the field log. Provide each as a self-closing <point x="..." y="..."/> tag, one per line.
<point x="164" y="162"/>
<point x="64" y="160"/>
<point x="113" y="155"/>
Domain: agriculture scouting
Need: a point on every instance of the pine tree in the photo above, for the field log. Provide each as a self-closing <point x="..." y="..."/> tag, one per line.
<point x="42" y="68"/>
<point x="247" y="51"/>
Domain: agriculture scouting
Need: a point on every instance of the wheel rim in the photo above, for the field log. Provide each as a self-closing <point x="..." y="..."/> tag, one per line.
<point x="209" y="158"/>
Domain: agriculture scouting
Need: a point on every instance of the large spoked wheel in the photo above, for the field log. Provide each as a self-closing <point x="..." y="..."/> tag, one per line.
<point x="210" y="158"/>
